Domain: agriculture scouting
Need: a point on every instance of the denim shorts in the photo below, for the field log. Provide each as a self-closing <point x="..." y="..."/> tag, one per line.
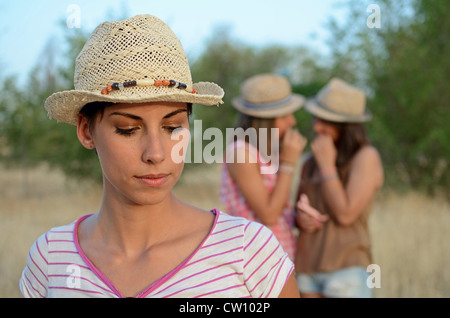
<point x="349" y="282"/>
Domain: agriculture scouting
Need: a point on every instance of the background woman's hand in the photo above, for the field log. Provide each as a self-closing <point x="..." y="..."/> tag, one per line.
<point x="324" y="151"/>
<point x="308" y="218"/>
<point x="292" y="146"/>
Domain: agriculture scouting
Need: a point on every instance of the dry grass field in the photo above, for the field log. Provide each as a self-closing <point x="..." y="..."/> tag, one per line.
<point x="410" y="233"/>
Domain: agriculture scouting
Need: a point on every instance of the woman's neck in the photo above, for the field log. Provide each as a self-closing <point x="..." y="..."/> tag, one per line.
<point x="132" y="228"/>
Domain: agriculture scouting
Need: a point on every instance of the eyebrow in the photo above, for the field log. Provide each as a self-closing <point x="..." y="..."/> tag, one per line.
<point x="140" y="118"/>
<point x="180" y="110"/>
<point x="126" y="115"/>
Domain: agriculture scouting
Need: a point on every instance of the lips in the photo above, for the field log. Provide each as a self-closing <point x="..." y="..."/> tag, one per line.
<point x="153" y="180"/>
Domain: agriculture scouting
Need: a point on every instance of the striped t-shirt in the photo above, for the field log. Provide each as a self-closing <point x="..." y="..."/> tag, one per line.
<point x="238" y="258"/>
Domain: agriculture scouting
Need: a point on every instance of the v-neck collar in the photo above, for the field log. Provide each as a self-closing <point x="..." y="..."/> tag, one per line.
<point x="152" y="286"/>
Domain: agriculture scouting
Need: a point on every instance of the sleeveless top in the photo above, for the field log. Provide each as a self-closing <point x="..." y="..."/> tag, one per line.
<point x="235" y="203"/>
<point x="334" y="246"/>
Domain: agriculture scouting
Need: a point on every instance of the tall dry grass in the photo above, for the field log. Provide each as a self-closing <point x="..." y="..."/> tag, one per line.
<point x="411" y="243"/>
<point x="410" y="233"/>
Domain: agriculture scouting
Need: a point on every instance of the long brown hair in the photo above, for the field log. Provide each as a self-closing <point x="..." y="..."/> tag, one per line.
<point x="352" y="137"/>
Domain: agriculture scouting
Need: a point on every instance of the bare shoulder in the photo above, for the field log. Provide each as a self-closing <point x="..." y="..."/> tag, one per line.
<point x="368" y="150"/>
<point x="368" y="154"/>
<point x="368" y="159"/>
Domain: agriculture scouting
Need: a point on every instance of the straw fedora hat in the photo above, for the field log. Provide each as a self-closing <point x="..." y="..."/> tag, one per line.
<point x="267" y="96"/>
<point x="339" y="101"/>
<point x="136" y="60"/>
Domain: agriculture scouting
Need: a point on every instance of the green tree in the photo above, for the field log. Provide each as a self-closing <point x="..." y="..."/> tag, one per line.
<point x="405" y="68"/>
<point x="228" y="62"/>
<point x="62" y="148"/>
<point x="28" y="136"/>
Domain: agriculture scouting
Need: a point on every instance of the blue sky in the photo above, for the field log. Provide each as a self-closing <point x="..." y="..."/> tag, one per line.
<point x="27" y="25"/>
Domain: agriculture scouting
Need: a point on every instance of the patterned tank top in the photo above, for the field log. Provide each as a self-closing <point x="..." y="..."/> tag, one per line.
<point x="235" y="203"/>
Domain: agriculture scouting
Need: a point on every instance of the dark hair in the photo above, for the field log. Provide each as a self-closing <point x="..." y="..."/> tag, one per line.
<point x="352" y="137"/>
<point x="94" y="109"/>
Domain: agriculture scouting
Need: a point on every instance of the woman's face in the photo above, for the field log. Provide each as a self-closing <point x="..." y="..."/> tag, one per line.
<point x="324" y="127"/>
<point x="284" y="123"/>
<point x="134" y="144"/>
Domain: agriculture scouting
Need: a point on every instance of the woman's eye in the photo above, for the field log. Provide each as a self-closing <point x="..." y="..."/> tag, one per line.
<point x="125" y="131"/>
<point x="173" y="128"/>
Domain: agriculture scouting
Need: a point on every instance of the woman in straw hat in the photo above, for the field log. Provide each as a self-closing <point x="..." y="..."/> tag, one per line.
<point x="340" y="180"/>
<point x="257" y="185"/>
<point x="133" y="94"/>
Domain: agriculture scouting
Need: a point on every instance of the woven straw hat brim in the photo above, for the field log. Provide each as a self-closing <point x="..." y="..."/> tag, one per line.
<point x="64" y="106"/>
<point x="319" y="111"/>
<point x="135" y="60"/>
<point x="296" y="102"/>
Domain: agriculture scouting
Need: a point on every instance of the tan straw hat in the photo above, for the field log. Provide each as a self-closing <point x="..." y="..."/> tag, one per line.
<point x="339" y="101"/>
<point x="131" y="61"/>
<point x="267" y="96"/>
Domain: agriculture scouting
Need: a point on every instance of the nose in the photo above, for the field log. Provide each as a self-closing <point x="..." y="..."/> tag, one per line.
<point x="153" y="148"/>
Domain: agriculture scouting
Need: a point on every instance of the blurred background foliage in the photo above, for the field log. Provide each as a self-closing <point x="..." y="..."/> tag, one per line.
<point x="403" y="66"/>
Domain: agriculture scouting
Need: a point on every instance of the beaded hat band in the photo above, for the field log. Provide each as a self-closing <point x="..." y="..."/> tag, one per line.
<point x="136" y="60"/>
<point x="157" y="83"/>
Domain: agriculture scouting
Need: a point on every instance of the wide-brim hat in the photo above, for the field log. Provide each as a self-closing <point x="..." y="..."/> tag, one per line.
<point x="267" y="96"/>
<point x="135" y="60"/>
<point x="339" y="101"/>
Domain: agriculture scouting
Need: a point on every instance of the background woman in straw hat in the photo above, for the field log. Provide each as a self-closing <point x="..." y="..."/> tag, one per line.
<point x="266" y="102"/>
<point x="340" y="179"/>
<point x="133" y="94"/>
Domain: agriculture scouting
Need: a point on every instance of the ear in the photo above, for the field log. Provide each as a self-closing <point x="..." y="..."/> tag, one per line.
<point x="83" y="133"/>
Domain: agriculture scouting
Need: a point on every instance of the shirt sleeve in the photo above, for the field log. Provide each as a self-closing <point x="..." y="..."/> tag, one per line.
<point x="34" y="280"/>
<point x="266" y="265"/>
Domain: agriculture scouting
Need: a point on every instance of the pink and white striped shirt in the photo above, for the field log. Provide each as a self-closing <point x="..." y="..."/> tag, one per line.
<point x="238" y="258"/>
<point x="236" y="204"/>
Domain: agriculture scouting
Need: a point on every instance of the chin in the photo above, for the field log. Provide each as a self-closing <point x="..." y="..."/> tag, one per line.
<point x="149" y="199"/>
